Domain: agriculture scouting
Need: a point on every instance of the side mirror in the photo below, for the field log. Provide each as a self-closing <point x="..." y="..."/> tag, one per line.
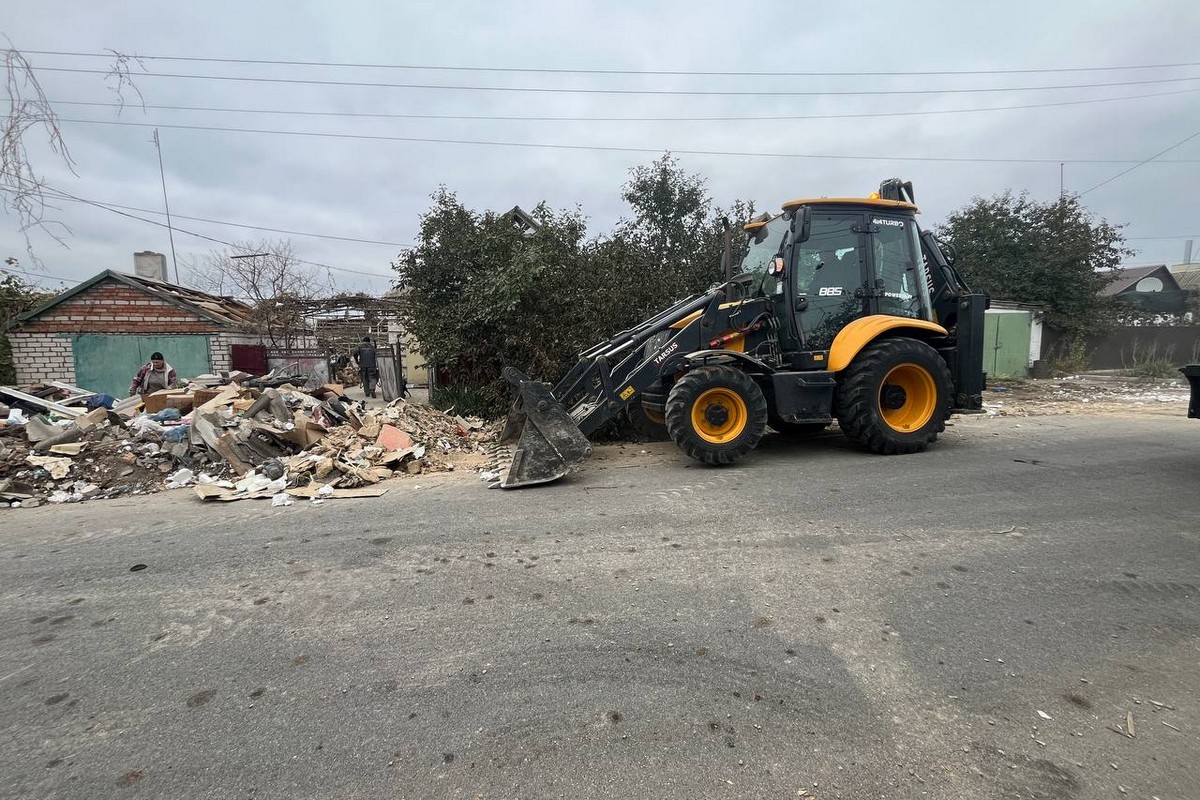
<point x="805" y="226"/>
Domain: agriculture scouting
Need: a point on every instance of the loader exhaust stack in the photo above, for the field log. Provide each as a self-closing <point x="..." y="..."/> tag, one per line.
<point x="550" y="444"/>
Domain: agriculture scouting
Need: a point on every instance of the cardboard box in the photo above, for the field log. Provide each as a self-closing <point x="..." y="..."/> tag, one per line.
<point x="184" y="402"/>
<point x="156" y="402"/>
<point x="202" y="396"/>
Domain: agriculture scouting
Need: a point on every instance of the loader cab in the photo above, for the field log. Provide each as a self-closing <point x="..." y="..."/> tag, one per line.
<point x="849" y="259"/>
<point x="765" y="242"/>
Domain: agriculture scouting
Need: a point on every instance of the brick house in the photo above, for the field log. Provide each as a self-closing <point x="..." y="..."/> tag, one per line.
<point x="98" y="333"/>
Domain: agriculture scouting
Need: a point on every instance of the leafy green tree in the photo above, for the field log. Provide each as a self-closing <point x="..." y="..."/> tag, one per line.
<point x="1054" y="254"/>
<point x="16" y="297"/>
<point x="482" y="293"/>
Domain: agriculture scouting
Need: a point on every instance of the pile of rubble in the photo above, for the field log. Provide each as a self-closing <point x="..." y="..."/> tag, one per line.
<point x="237" y="439"/>
<point x="1092" y="393"/>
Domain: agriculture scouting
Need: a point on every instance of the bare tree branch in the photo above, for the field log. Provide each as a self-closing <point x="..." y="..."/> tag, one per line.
<point x="265" y="274"/>
<point x="22" y="187"/>
<point x="119" y="72"/>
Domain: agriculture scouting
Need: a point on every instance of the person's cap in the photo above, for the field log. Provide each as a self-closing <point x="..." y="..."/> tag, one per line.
<point x="366" y="338"/>
<point x="156" y="357"/>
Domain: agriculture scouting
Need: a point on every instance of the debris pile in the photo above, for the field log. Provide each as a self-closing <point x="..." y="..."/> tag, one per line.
<point x="1083" y="394"/>
<point x="231" y="436"/>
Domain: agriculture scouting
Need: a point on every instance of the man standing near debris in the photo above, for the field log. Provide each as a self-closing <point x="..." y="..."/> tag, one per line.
<point x="368" y="367"/>
<point x="154" y="375"/>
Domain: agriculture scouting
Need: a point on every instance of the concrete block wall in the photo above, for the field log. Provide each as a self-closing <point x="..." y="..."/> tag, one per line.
<point x="42" y="357"/>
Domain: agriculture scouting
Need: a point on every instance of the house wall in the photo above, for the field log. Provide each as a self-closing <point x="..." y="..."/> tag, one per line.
<point x="112" y="307"/>
<point x="42" y="357"/>
<point x="221" y="344"/>
<point x="42" y="347"/>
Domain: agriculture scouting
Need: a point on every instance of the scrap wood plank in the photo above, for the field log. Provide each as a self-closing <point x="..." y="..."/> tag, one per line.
<point x="57" y="408"/>
<point x="224" y="447"/>
<point x="209" y="491"/>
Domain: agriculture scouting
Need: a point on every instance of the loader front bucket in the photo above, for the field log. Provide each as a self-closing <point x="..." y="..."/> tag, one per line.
<point x="548" y="442"/>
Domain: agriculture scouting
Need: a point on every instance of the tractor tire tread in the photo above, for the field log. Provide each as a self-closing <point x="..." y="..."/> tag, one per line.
<point x="679" y="414"/>
<point x="858" y="397"/>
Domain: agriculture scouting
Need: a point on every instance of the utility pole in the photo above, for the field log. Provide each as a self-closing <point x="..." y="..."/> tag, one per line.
<point x="170" y="230"/>
<point x="1061" y="184"/>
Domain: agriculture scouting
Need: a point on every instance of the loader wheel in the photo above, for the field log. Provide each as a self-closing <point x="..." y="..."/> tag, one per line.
<point x="894" y="397"/>
<point x="650" y="425"/>
<point x="716" y="414"/>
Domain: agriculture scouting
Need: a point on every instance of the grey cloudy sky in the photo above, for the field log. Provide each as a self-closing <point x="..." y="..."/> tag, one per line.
<point x="376" y="190"/>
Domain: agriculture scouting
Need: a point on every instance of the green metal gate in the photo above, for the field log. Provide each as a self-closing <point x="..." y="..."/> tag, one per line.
<point x="108" y="363"/>
<point x="1006" y="343"/>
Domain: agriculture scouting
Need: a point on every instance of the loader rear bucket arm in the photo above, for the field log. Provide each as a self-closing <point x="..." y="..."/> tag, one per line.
<point x="551" y="444"/>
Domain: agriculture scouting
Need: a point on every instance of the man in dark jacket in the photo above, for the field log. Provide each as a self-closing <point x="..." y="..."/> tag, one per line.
<point x="368" y="366"/>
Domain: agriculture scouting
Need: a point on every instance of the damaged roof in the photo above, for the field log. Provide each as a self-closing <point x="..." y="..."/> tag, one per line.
<point x="221" y="310"/>
<point x="1130" y="276"/>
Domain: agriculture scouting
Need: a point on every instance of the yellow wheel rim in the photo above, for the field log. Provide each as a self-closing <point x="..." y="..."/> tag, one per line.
<point x="719" y="415"/>
<point x="907" y="398"/>
<point x="654" y="416"/>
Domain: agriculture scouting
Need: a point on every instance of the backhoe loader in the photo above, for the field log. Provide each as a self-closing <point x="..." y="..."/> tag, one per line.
<point x="842" y="309"/>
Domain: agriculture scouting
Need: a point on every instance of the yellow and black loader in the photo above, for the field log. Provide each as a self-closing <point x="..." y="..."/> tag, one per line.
<point x="843" y="308"/>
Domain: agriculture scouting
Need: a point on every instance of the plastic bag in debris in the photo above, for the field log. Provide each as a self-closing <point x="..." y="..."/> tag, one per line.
<point x="180" y="478"/>
<point x="167" y="415"/>
<point x="253" y="482"/>
<point x="16" y="417"/>
<point x="100" y="401"/>
<point x="64" y="497"/>
<point x="143" y="425"/>
<point x="282" y="500"/>
<point x="176" y="433"/>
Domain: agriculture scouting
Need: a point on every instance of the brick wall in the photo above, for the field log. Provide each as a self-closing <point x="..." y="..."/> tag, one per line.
<point x="112" y="307"/>
<point x="219" y="348"/>
<point x="42" y="347"/>
<point x="42" y="357"/>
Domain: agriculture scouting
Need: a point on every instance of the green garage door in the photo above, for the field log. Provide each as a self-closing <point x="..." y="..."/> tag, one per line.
<point x="1006" y="344"/>
<point x="108" y="363"/>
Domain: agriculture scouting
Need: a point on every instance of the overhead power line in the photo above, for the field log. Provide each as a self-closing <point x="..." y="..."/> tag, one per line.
<point x="58" y="194"/>
<point x="227" y="223"/>
<point x="6" y="268"/>
<point x="587" y="71"/>
<point x="610" y="148"/>
<point x="1177" y="236"/>
<point x="623" y="92"/>
<point x="506" y="118"/>
<point x="1141" y="163"/>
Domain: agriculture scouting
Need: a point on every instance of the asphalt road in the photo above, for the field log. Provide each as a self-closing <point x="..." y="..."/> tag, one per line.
<point x="978" y="621"/>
